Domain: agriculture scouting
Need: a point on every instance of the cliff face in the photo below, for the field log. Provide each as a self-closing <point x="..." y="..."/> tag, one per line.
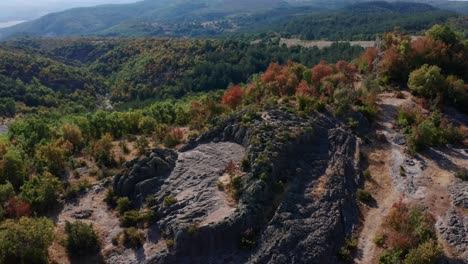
<point x="292" y="202"/>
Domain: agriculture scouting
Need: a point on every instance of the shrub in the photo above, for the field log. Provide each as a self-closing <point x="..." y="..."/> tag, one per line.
<point x="170" y="243"/>
<point x="427" y="253"/>
<point x="427" y="81"/>
<point x="380" y="240"/>
<point x="17" y="208"/>
<point x="367" y="174"/>
<point x="233" y="97"/>
<point x="173" y="138"/>
<point x="391" y="257"/>
<point x="245" y="164"/>
<point x="12" y="168"/>
<point x="346" y="251"/>
<point x="147" y="124"/>
<point x="230" y="168"/>
<point x="26" y="240"/>
<point x="124" y="147"/>
<point x="6" y="192"/>
<point x="123" y="205"/>
<point x="150" y="201"/>
<point x="72" y="133"/>
<point x="41" y="192"/>
<point x="133" y="237"/>
<point x="142" y="145"/>
<point x="111" y="198"/>
<point x="82" y="239"/>
<point x="102" y="151"/>
<point x="133" y="218"/>
<point x="463" y="174"/>
<point x="192" y="229"/>
<point x="170" y="200"/>
<point x="364" y="196"/>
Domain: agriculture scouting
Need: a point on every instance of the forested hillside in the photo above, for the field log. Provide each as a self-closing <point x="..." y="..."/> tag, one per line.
<point x="81" y="71"/>
<point x="364" y="21"/>
<point x="219" y="18"/>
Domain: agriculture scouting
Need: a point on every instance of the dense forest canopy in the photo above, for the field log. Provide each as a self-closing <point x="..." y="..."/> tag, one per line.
<point x="50" y="72"/>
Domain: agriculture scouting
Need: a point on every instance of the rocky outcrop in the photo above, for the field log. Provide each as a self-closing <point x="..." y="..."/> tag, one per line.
<point x="296" y="199"/>
<point x="454" y="226"/>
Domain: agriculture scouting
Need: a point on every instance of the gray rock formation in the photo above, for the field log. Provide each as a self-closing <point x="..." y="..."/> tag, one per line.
<point x="454" y="226"/>
<point x="296" y="199"/>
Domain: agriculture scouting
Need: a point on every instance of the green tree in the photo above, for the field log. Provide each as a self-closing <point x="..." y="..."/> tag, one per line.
<point x="72" y="133"/>
<point x="41" y="192"/>
<point x="427" y="81"/>
<point x="82" y="239"/>
<point x="12" y="168"/>
<point x="444" y="34"/>
<point x="26" y="240"/>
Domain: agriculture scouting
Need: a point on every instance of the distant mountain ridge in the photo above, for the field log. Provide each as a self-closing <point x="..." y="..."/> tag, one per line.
<point x="187" y="18"/>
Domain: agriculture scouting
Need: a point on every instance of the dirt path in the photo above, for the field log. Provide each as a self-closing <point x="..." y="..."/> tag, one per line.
<point x="424" y="180"/>
<point x="385" y="158"/>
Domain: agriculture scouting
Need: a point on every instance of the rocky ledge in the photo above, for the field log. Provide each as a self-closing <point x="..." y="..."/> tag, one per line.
<point x="291" y="198"/>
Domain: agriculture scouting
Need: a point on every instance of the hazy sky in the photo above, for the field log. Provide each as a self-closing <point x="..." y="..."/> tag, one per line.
<point x="28" y="9"/>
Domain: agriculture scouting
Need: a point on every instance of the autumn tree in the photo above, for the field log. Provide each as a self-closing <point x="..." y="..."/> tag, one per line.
<point x="320" y="71"/>
<point x="233" y="97"/>
<point x="304" y="90"/>
<point x="366" y="60"/>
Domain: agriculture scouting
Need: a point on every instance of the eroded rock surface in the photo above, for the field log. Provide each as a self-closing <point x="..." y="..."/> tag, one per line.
<point x="296" y="199"/>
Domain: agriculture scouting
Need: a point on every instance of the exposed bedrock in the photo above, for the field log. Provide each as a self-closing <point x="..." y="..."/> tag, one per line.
<point x="297" y="197"/>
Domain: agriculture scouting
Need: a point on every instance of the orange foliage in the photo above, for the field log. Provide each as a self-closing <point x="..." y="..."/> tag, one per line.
<point x="349" y="70"/>
<point x="367" y="58"/>
<point x="233" y="97"/>
<point x="428" y="50"/>
<point x="279" y="80"/>
<point x="321" y="71"/>
<point x="16" y="208"/>
<point x="304" y="90"/>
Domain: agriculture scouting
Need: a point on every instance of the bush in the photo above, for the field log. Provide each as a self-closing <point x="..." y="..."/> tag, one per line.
<point x="364" y="196"/>
<point x="427" y="81"/>
<point x="72" y="133"/>
<point x="111" y="198"/>
<point x="367" y="174"/>
<point x="346" y="251"/>
<point x="142" y="145"/>
<point x="245" y="164"/>
<point x="26" y="240"/>
<point x="380" y="240"/>
<point x="123" y="205"/>
<point x="170" y="243"/>
<point x="391" y="257"/>
<point x="82" y="239"/>
<point x="150" y="201"/>
<point x="6" y="192"/>
<point x="427" y="253"/>
<point x="133" y="237"/>
<point x="41" y="192"/>
<point x="133" y="218"/>
<point x="170" y="200"/>
<point x="173" y="138"/>
<point x="463" y="174"/>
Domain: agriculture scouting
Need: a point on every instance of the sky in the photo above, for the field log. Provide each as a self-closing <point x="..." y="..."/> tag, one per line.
<point x="15" y="10"/>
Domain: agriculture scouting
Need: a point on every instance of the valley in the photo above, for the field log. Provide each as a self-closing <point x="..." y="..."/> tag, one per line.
<point x="236" y="132"/>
